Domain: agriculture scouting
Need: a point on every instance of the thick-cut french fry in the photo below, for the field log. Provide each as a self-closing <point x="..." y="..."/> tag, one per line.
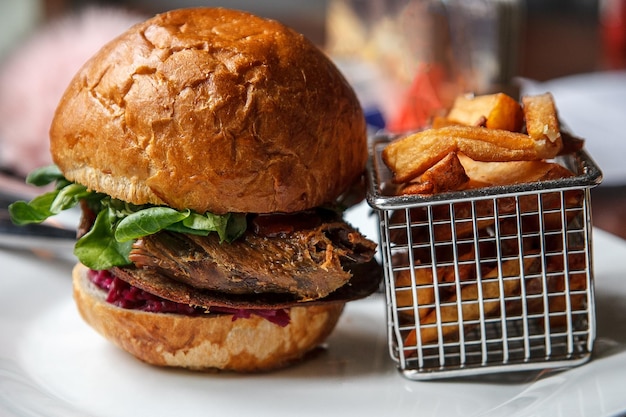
<point x="483" y="174"/>
<point x="424" y="290"/>
<point x="410" y="156"/>
<point x="542" y="122"/>
<point x="561" y="302"/>
<point x="442" y="121"/>
<point x="425" y="284"/>
<point x="494" y="111"/>
<point x="470" y="308"/>
<point x="508" y="173"/>
<point x="446" y="175"/>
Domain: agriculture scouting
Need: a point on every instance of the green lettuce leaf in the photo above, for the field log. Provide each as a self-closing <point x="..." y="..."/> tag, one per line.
<point x="47" y="204"/>
<point x="147" y="222"/>
<point x="34" y="211"/>
<point x="118" y="224"/>
<point x="46" y="175"/>
<point x="228" y="226"/>
<point x="98" y="249"/>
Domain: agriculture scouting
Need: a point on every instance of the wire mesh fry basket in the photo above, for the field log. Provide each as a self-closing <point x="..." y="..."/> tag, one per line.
<point x="488" y="280"/>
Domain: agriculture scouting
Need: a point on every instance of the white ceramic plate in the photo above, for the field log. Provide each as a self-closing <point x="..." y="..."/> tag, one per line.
<point x="593" y="106"/>
<point x="52" y="364"/>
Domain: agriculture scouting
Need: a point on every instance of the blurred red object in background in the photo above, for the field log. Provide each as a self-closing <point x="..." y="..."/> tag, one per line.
<point x="613" y="27"/>
<point x="421" y="101"/>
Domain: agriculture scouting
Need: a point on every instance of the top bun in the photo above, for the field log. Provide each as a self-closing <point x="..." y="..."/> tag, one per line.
<point x="213" y="110"/>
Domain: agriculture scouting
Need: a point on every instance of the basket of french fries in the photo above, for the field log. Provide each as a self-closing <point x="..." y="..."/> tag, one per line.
<point x="486" y="240"/>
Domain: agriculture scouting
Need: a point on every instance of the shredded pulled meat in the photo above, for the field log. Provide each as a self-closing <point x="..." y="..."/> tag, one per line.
<point x="305" y="262"/>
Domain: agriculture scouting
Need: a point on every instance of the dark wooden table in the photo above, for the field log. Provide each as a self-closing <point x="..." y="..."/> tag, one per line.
<point x="608" y="206"/>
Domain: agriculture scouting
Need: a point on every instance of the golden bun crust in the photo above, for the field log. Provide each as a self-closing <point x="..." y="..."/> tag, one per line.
<point x="213" y="110"/>
<point x="204" y="343"/>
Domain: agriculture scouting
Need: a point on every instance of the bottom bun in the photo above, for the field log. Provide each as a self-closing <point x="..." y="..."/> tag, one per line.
<point x="208" y="342"/>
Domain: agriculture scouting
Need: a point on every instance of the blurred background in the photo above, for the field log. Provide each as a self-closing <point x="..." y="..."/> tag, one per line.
<point x="44" y="42"/>
<point x="570" y="27"/>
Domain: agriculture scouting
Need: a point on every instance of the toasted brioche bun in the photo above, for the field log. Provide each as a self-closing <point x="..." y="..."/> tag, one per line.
<point x="212" y="110"/>
<point x="214" y="342"/>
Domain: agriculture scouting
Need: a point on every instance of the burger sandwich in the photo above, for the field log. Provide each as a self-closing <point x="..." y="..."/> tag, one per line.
<point x="211" y="153"/>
